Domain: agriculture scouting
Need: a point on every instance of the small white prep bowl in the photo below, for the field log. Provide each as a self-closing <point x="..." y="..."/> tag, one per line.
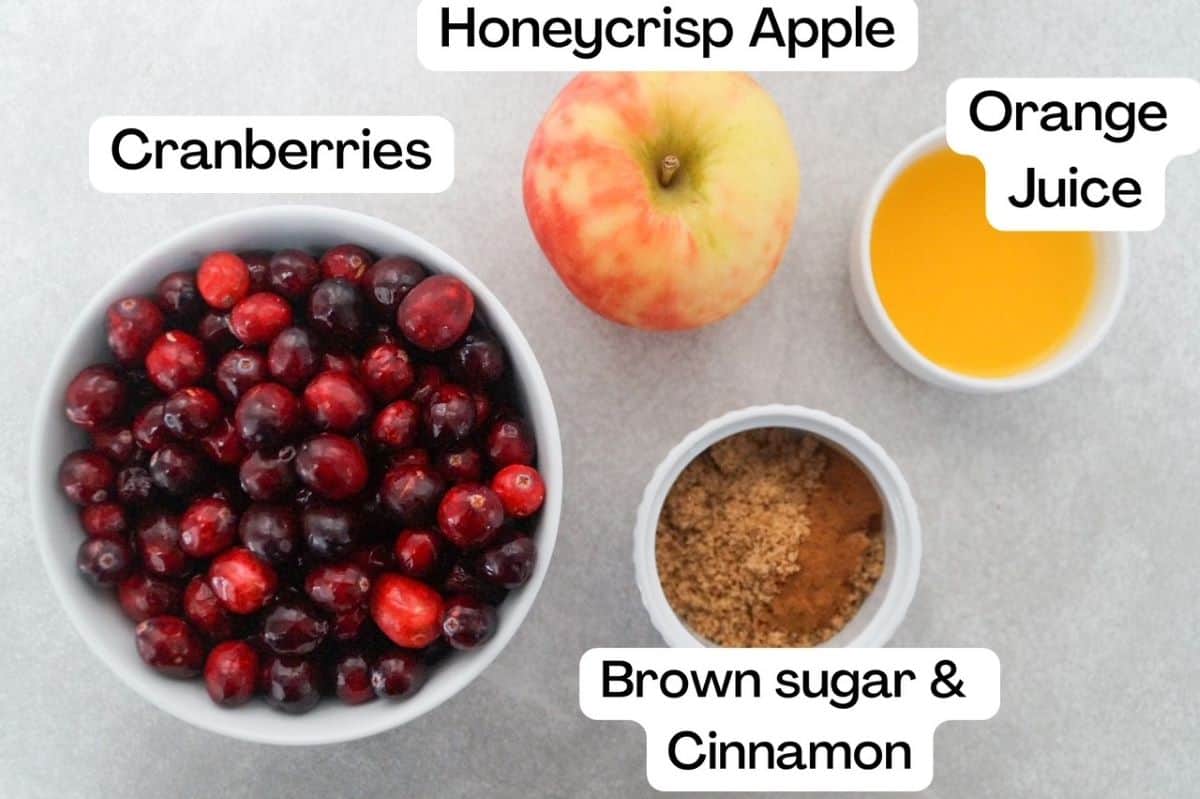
<point x="886" y="606"/>
<point x="1112" y="279"/>
<point x="96" y="615"/>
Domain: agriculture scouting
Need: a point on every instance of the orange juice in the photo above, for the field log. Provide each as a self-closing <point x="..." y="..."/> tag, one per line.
<point x="970" y="298"/>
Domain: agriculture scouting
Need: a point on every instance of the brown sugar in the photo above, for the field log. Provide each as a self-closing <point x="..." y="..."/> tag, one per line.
<point x="770" y="538"/>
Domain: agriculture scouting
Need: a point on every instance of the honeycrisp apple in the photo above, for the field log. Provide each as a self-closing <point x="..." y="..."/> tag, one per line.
<point x="663" y="200"/>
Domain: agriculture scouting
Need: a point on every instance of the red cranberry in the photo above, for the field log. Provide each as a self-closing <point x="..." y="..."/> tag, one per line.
<point x="397" y="675"/>
<point x="294" y="357"/>
<point x="338" y="588"/>
<point x="450" y="414"/>
<point x="337" y="311"/>
<point x="216" y="333"/>
<point x="176" y="469"/>
<point x="258" y="264"/>
<point x="272" y="532"/>
<point x="205" y="611"/>
<point x="407" y="611"/>
<point x="397" y="426"/>
<point x="352" y="678"/>
<point x="520" y="489"/>
<point x="511" y="441"/>
<point x="178" y="297"/>
<point x="170" y="646"/>
<point x="223" y="280"/>
<point x="330" y="531"/>
<point x="207" y="528"/>
<point x="293" y="273"/>
<point x="116" y="444"/>
<point x="176" y="360"/>
<point x="293" y="627"/>
<point x="337" y="402"/>
<point x="149" y="428"/>
<point x="436" y="313"/>
<point x="223" y="445"/>
<point x="133" y="325"/>
<point x="95" y="397"/>
<point x="429" y="377"/>
<point x="350" y="625"/>
<point x="291" y="684"/>
<point x="259" y="318"/>
<point x="418" y="552"/>
<point x="468" y="623"/>
<point x="411" y="493"/>
<point x="343" y="362"/>
<point x="470" y="515"/>
<point x="388" y="372"/>
<point x="159" y="546"/>
<point x="239" y="371"/>
<point x="191" y="412"/>
<point x="479" y="359"/>
<point x="135" y="487"/>
<point x="231" y="673"/>
<point x="105" y="520"/>
<point x="388" y="282"/>
<point x="332" y="466"/>
<point x="461" y="465"/>
<point x="268" y="476"/>
<point x="144" y="597"/>
<point x="346" y="261"/>
<point x="87" y="477"/>
<point x="242" y="581"/>
<point x="104" y="561"/>
<point x="267" y="416"/>
<point x="509" y="565"/>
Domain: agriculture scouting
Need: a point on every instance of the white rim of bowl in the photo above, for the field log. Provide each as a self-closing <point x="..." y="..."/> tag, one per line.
<point x="903" y="556"/>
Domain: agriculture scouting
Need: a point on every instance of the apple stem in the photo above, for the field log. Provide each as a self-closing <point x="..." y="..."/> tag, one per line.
<point x="667" y="169"/>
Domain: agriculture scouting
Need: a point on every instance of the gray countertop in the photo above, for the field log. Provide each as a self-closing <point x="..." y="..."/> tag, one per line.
<point x="1060" y="524"/>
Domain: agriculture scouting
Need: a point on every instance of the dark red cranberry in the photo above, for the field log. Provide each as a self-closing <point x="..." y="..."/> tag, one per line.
<point x="398" y="426"/>
<point x="170" y="646"/>
<point x="411" y="493"/>
<point x="105" y="520"/>
<point x="374" y="559"/>
<point x="470" y="515"/>
<point x="259" y="318"/>
<point x="338" y="588"/>
<point x="483" y="409"/>
<point x="116" y="444"/>
<point x="231" y="673"/>
<point x="176" y="469"/>
<point x="223" y="445"/>
<point x="144" y="597"/>
<point x="352" y="678"/>
<point x="388" y="372"/>
<point x="270" y="475"/>
<point x="450" y="414"/>
<point x="388" y="282"/>
<point x="436" y="313"/>
<point x="178" y="297"/>
<point x="135" y="486"/>
<point x="215" y="332"/>
<point x="346" y="261"/>
<point x="176" y="360"/>
<point x="343" y="362"/>
<point x="291" y="684"/>
<point x="87" y="477"/>
<point x="271" y="531"/>
<point x="509" y="565"/>
<point x="337" y="402"/>
<point x="149" y="428"/>
<point x="332" y="465"/>
<point x="397" y="675"/>
<point x="207" y="528"/>
<point x="520" y="489"/>
<point x="267" y="416"/>
<point x="205" y="611"/>
<point x="294" y="357"/>
<point x="461" y="465"/>
<point x="159" y="547"/>
<point x="133" y="325"/>
<point x="511" y="441"/>
<point x="429" y="377"/>
<point x="239" y="371"/>
<point x="468" y="622"/>
<point x="330" y="531"/>
<point x="406" y="611"/>
<point x="223" y="280"/>
<point x="293" y="627"/>
<point x="461" y="579"/>
<point x="191" y="413"/>
<point x="293" y="273"/>
<point x="95" y="397"/>
<point x="418" y="552"/>
<point x="242" y="581"/>
<point x="351" y="625"/>
<point x="104" y="561"/>
<point x="337" y="311"/>
<point x="258" y="264"/>
<point x="479" y="360"/>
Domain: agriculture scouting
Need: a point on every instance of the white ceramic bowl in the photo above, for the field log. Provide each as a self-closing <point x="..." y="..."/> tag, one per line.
<point x="96" y="616"/>
<point x="1108" y="296"/>
<point x="887" y="604"/>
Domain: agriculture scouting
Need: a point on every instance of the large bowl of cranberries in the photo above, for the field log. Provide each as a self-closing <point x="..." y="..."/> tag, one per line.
<point x="296" y="475"/>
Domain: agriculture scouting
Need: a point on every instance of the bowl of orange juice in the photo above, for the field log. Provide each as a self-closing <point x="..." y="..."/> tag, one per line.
<point x="963" y="305"/>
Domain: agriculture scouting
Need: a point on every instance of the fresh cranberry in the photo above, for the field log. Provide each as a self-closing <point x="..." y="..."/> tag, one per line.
<point x="159" y="546"/>
<point x="470" y="515"/>
<point x="223" y="280"/>
<point x="293" y="627"/>
<point x="397" y="426"/>
<point x="352" y="678"/>
<point x="388" y="372"/>
<point x="105" y="520"/>
<point x="95" y="397"/>
<point x="461" y="465"/>
<point x="170" y="646"/>
<point x="258" y="264"/>
<point x="231" y="673"/>
<point x="205" y="611"/>
<point x="411" y="493"/>
<point x="343" y="362"/>
<point x="479" y="360"/>
<point x="215" y="331"/>
<point x="509" y="565"/>
<point x="346" y="261"/>
<point x="397" y="675"/>
<point x="271" y="532"/>
<point x="388" y="282"/>
<point x="133" y="325"/>
<point x="511" y="441"/>
<point x="436" y="313"/>
<point x="330" y="531"/>
<point x="429" y="377"/>
<point x="418" y="552"/>
<point x="116" y="444"/>
<point x="267" y="416"/>
<point x="294" y="357"/>
<point x="293" y="273"/>
<point x="242" y="581"/>
<point x="461" y="579"/>
<point x="270" y="475"/>
<point x="338" y="588"/>
<point x="291" y="684"/>
<point x="176" y="360"/>
<point x="520" y="489"/>
<point x="467" y="622"/>
<point x="407" y="611"/>
<point x="207" y="528"/>
<point x="87" y="477"/>
<point x="143" y="597"/>
<point x="135" y="486"/>
<point x="337" y="311"/>
<point x="178" y="297"/>
<point x="239" y="371"/>
<point x="176" y="469"/>
<point x="450" y="414"/>
<point x="104" y="561"/>
<point x="337" y="402"/>
<point x="191" y="413"/>
<point x="223" y="445"/>
<point x="350" y="625"/>
<point x="149" y="428"/>
<point x="259" y="318"/>
<point x="332" y="465"/>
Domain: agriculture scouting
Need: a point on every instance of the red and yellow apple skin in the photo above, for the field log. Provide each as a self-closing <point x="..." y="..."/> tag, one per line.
<point x="655" y="256"/>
